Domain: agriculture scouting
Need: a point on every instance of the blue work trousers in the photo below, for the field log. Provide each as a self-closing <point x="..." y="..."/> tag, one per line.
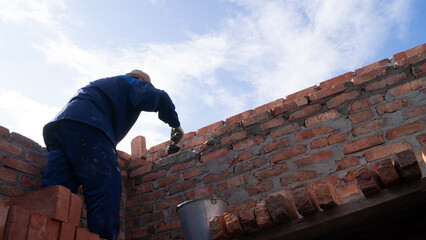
<point x="83" y="155"/>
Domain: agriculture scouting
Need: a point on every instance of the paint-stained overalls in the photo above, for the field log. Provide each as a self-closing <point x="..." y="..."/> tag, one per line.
<point x="82" y="139"/>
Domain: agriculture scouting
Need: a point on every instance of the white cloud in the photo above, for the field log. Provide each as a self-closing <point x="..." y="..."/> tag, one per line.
<point x="24" y="115"/>
<point x="270" y="48"/>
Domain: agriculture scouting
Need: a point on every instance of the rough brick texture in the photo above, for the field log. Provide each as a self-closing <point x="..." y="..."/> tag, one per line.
<point x="317" y="137"/>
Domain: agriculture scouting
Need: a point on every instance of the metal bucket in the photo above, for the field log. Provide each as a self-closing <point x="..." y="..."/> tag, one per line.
<point x="194" y="216"/>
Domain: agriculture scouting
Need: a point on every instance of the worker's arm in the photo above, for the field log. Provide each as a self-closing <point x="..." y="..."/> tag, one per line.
<point x="146" y="97"/>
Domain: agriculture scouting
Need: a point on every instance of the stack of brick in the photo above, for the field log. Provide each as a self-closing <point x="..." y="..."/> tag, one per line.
<point x="322" y="133"/>
<point x="49" y="213"/>
<point x="308" y="199"/>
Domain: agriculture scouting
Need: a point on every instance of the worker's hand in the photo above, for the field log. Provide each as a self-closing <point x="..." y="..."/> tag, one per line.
<point x="176" y="134"/>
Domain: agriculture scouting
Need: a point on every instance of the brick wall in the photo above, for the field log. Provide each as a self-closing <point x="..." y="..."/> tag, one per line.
<point x="22" y="162"/>
<point x="318" y="135"/>
<point x="323" y="137"/>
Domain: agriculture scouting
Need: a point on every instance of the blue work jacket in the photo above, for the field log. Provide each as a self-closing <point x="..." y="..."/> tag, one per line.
<point x="114" y="104"/>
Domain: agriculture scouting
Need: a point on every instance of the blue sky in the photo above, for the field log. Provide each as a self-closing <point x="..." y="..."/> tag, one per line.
<point x="215" y="58"/>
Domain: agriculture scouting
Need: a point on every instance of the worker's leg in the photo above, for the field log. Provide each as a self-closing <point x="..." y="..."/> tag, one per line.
<point x="95" y="163"/>
<point x="93" y="160"/>
<point x="59" y="169"/>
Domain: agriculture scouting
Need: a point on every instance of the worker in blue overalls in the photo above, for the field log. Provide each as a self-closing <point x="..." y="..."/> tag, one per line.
<point x="82" y="139"/>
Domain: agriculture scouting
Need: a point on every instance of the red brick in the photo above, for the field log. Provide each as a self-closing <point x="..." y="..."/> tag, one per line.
<point x="233" y="137"/>
<point x="280" y="208"/>
<point x="281" y="143"/>
<point x="195" y="142"/>
<point x="348" y="190"/>
<point x="10" y="191"/>
<point x="337" y="138"/>
<point x="22" y="166"/>
<point x="248" y="142"/>
<point x="410" y="56"/>
<point x="198" y="193"/>
<point x="386" y="172"/>
<point x="213" y="177"/>
<point x="347" y="162"/>
<point x="233" y="182"/>
<point x="366" y="180"/>
<point x="311" y="133"/>
<point x="362" y="144"/>
<point x="326" y="92"/>
<point x="372" y="67"/>
<point x="52" y="230"/>
<point x="366" y="102"/>
<point x="8" y="175"/>
<point x="327" y="195"/>
<point x="75" y="209"/>
<point x="169" y="202"/>
<point x="312" y="158"/>
<point x="299" y="176"/>
<point x="214" y="155"/>
<point x="4" y="132"/>
<point x="350" y="176"/>
<point x="248" y="219"/>
<point x="369" y="127"/>
<point x="195" y="172"/>
<point x="274" y="170"/>
<point x="168" y="180"/>
<point x="233" y="225"/>
<point x="275" y="122"/>
<point x="392" y="106"/>
<point x="37" y="226"/>
<point x="182" y="166"/>
<point x="407" y="166"/>
<point x="144" y="188"/>
<point x="284" y="130"/>
<point x="83" y="234"/>
<point x="242" y="156"/>
<point x="17" y="223"/>
<point x="414" y="112"/>
<point x="390" y="80"/>
<point x="174" y="224"/>
<point x="287" y="153"/>
<point x="155" y="217"/>
<point x="288" y="106"/>
<point x="263" y="218"/>
<point x="4" y="212"/>
<point x="322" y="117"/>
<point x="336" y="80"/>
<point x="138" y="147"/>
<point x="404" y="130"/>
<point x="410" y="52"/>
<point x="305" y="200"/>
<point x="262" y="187"/>
<point x="341" y="98"/>
<point x="269" y="106"/>
<point x="30" y="182"/>
<point x="53" y="202"/>
<point x="39" y="159"/>
<point x="143" y="209"/>
<point x="255" y="119"/>
<point x="308" y="110"/>
<point x="180" y="187"/>
<point x="361" y="116"/>
<point x="140" y="232"/>
<point x="218" y="228"/>
<point x="419" y="70"/>
<point x="302" y="93"/>
<point x="360" y="79"/>
<point x="10" y="148"/>
<point x="188" y="136"/>
<point x="239" y="117"/>
<point x="408" y="87"/>
<point x="158" y="147"/>
<point x="319" y="143"/>
<point x="224" y="129"/>
<point x="250" y="165"/>
<point x="386" y="151"/>
<point x="210" y="128"/>
<point x="154" y="176"/>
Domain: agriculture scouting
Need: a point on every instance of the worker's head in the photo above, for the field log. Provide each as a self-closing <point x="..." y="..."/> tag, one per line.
<point x="138" y="74"/>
